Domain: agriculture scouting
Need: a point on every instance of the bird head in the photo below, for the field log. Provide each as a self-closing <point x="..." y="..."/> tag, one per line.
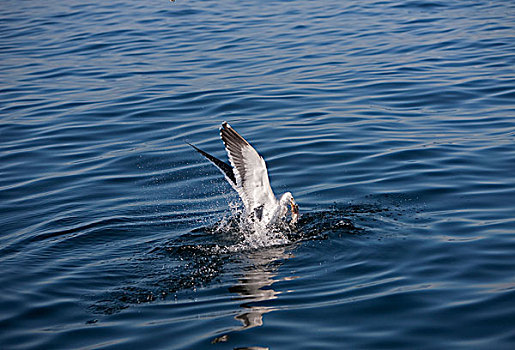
<point x="294" y="211"/>
<point x="287" y="199"/>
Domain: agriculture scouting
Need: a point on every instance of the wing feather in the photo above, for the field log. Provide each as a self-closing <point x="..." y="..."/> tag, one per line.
<point x="225" y="168"/>
<point x="250" y="173"/>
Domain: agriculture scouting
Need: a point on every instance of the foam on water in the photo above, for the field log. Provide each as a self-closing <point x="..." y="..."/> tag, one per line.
<point x="253" y="234"/>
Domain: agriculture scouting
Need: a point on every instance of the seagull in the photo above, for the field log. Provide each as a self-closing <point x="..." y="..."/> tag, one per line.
<point x="248" y="175"/>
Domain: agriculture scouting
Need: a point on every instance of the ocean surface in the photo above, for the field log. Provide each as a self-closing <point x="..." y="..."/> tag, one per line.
<point x="391" y="122"/>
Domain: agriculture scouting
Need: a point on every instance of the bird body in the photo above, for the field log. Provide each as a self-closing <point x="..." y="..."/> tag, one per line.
<point x="248" y="175"/>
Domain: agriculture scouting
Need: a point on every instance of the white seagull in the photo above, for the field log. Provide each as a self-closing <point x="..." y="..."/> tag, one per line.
<point x="249" y="177"/>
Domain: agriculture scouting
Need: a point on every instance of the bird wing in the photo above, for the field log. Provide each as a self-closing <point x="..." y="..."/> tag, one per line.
<point x="225" y="168"/>
<point x="250" y="173"/>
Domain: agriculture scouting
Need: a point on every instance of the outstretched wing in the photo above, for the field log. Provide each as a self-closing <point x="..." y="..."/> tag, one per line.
<point x="250" y="173"/>
<point x="225" y="168"/>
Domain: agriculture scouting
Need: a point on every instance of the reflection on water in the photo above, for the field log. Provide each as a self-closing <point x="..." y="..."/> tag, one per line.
<point x="254" y="287"/>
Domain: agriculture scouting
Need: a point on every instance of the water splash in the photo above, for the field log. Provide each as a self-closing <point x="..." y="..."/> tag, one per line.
<point x="203" y="255"/>
<point x="247" y="233"/>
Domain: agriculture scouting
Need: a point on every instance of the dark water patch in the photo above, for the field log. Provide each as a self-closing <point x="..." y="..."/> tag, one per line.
<point x="420" y="4"/>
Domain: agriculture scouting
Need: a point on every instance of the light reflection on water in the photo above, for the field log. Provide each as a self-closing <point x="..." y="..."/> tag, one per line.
<point x="255" y="287"/>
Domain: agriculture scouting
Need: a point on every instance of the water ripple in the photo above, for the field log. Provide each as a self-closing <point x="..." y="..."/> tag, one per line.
<point x="390" y="121"/>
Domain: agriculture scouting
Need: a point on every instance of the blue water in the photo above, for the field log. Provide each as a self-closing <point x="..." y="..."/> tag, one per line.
<point x="391" y="122"/>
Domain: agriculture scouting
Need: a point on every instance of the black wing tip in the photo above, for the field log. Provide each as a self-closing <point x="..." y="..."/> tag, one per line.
<point x="224" y="167"/>
<point x="228" y="134"/>
<point x="194" y="147"/>
<point x="223" y="129"/>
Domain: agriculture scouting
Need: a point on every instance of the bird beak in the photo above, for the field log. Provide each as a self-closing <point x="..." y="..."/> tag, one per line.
<point x="294" y="211"/>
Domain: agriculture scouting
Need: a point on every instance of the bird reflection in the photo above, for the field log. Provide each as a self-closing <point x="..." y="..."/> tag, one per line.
<point x="254" y="287"/>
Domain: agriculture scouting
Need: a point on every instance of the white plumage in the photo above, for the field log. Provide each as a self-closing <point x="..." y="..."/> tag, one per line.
<point x="248" y="175"/>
